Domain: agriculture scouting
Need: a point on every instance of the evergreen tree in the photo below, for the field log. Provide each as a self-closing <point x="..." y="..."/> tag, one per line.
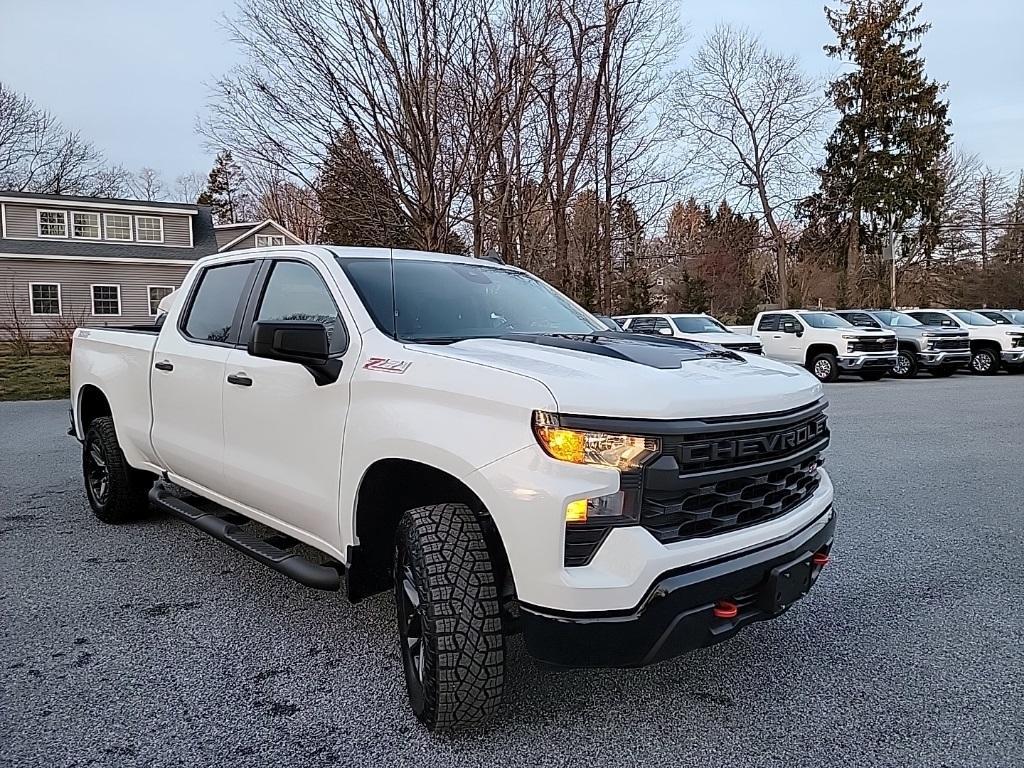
<point x="356" y="199"/>
<point x="881" y="168"/>
<point x="227" y="191"/>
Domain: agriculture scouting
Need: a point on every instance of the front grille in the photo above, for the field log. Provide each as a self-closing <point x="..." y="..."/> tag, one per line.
<point x="955" y="343"/>
<point x="753" y="349"/>
<point x="729" y="504"/>
<point x="714" y="476"/>
<point x="873" y="344"/>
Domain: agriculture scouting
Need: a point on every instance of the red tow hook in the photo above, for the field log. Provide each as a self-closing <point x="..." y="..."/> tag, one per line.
<point x="725" y="609"/>
<point x="820" y="559"/>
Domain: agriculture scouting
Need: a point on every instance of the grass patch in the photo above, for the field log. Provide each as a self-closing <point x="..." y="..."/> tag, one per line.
<point x="36" y="377"/>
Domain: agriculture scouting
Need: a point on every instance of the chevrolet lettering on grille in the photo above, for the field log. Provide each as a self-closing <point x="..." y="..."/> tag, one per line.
<point x="755" y="446"/>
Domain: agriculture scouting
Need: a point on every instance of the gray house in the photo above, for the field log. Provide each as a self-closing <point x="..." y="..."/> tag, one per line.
<point x="67" y="261"/>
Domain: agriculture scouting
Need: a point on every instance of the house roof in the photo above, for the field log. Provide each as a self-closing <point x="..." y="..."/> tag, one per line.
<point x="100" y="202"/>
<point x="253" y="228"/>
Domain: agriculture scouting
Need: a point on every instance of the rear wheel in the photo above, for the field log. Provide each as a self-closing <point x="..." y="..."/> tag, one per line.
<point x="824" y="367"/>
<point x="449" y="620"/>
<point x="985" y="361"/>
<point x="116" y="492"/>
<point x="872" y="375"/>
<point x="905" y="366"/>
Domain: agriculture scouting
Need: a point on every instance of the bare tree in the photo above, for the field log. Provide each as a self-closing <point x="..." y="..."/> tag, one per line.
<point x="754" y="119"/>
<point x="188" y="186"/>
<point x="147" y="184"/>
<point x="38" y="154"/>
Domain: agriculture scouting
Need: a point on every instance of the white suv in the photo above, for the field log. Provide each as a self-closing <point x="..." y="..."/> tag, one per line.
<point x="992" y="344"/>
<point x="692" y="327"/>
<point x="826" y="344"/>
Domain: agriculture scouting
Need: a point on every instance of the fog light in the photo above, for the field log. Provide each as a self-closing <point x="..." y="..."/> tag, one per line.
<point x="596" y="510"/>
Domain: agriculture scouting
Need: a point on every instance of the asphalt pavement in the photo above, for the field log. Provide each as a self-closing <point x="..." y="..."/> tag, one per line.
<point x="154" y="645"/>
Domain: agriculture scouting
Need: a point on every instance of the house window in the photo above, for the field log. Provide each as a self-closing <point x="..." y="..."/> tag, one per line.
<point x="106" y="299"/>
<point x="149" y="229"/>
<point x="52" y="223"/>
<point x="156" y="295"/>
<point x="269" y="241"/>
<point x="118" y="226"/>
<point x="85" y="226"/>
<point x="45" y="298"/>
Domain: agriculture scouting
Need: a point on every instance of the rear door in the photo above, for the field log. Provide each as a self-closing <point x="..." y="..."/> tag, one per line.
<point x="188" y="374"/>
<point x="282" y="432"/>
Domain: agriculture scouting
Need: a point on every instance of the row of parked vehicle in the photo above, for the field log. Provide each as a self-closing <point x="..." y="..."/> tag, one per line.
<point x="870" y="343"/>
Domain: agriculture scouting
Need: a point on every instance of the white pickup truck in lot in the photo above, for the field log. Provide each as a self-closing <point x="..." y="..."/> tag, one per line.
<point x="459" y="432"/>
<point x="826" y="344"/>
<point x="993" y="345"/>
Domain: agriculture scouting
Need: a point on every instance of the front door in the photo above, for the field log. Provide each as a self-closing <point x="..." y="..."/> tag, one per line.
<point x="188" y="374"/>
<point x="283" y="433"/>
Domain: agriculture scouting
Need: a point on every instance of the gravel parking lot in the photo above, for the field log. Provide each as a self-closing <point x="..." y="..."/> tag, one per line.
<point x="153" y="645"/>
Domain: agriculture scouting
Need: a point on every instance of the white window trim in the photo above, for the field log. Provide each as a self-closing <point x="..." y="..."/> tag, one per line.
<point x="149" y="298"/>
<point x="39" y="224"/>
<point x="282" y="238"/>
<point x="131" y="228"/>
<point x="99" y="225"/>
<point x="31" y="303"/>
<point x="92" y="298"/>
<point x="139" y="239"/>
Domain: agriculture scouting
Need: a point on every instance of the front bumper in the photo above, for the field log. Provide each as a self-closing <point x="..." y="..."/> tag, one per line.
<point x="867" y="362"/>
<point x="677" y="614"/>
<point x="934" y="359"/>
<point x="1013" y="356"/>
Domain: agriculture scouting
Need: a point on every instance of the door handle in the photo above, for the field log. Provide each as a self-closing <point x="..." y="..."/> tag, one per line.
<point x="240" y="379"/>
<point x="164" y="365"/>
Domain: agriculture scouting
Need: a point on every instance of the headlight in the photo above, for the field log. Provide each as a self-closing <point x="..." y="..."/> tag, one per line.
<point x="622" y="452"/>
<point x="848" y="336"/>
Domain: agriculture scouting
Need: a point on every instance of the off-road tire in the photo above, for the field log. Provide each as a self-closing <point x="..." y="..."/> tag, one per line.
<point x="820" y="372"/>
<point x="943" y="371"/>
<point x="978" y="365"/>
<point x="124" y="499"/>
<point x="909" y="362"/>
<point x="461" y="654"/>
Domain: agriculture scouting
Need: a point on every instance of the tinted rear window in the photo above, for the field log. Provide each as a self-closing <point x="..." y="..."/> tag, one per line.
<point x="213" y="309"/>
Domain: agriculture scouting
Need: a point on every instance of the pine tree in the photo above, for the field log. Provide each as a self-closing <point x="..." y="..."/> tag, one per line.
<point x="227" y="191"/>
<point x="881" y="167"/>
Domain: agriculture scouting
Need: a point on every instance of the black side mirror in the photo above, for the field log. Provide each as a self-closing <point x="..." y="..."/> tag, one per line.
<point x="790" y="327"/>
<point x="291" y="342"/>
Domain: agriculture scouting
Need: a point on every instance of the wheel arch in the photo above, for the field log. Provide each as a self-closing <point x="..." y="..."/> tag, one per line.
<point x="92" y="403"/>
<point x="817" y="349"/>
<point x="388" y="488"/>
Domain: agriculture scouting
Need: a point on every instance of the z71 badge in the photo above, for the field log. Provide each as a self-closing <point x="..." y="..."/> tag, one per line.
<point x="387" y="365"/>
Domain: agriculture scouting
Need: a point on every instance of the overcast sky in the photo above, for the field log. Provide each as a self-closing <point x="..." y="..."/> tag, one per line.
<point x="132" y="75"/>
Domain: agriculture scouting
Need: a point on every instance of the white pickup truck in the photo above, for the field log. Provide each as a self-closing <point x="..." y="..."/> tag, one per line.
<point x="459" y="432"/>
<point x="826" y="344"/>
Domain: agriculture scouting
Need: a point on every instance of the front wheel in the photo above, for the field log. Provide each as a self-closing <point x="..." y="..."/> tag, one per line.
<point x="449" y="618"/>
<point x="985" y="361"/>
<point x="825" y="367"/>
<point x="116" y="492"/>
<point x="905" y="366"/>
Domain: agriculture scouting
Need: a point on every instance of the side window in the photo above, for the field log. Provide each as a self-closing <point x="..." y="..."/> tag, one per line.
<point x="661" y="324"/>
<point x="642" y="325"/>
<point x="785" y="319"/>
<point x="212" y="313"/>
<point x="862" y="319"/>
<point x="296" y="291"/>
<point x="768" y="323"/>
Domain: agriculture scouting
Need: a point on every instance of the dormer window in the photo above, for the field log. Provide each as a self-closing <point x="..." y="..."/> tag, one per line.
<point x="269" y="241"/>
<point x="85" y="226"/>
<point x="52" y="223"/>
<point x="149" y="229"/>
<point x="118" y="226"/>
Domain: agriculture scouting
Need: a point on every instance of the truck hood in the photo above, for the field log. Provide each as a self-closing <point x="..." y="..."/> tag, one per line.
<point x="725" y="339"/>
<point x="585" y="380"/>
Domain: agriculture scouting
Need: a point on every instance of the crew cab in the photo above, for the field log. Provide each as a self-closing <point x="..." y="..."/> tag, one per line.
<point x="461" y="434"/>
<point x="993" y="345"/>
<point x="826" y="344"/>
<point x="693" y="327"/>
<point x="940" y="351"/>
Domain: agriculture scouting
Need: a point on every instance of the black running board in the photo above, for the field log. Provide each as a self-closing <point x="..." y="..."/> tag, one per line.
<point x="295" y="566"/>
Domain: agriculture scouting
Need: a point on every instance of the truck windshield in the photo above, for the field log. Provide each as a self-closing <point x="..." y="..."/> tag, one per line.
<point x="971" y="318"/>
<point x="896" y="319"/>
<point x="824" y="320"/>
<point x="699" y="325"/>
<point x="443" y="301"/>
